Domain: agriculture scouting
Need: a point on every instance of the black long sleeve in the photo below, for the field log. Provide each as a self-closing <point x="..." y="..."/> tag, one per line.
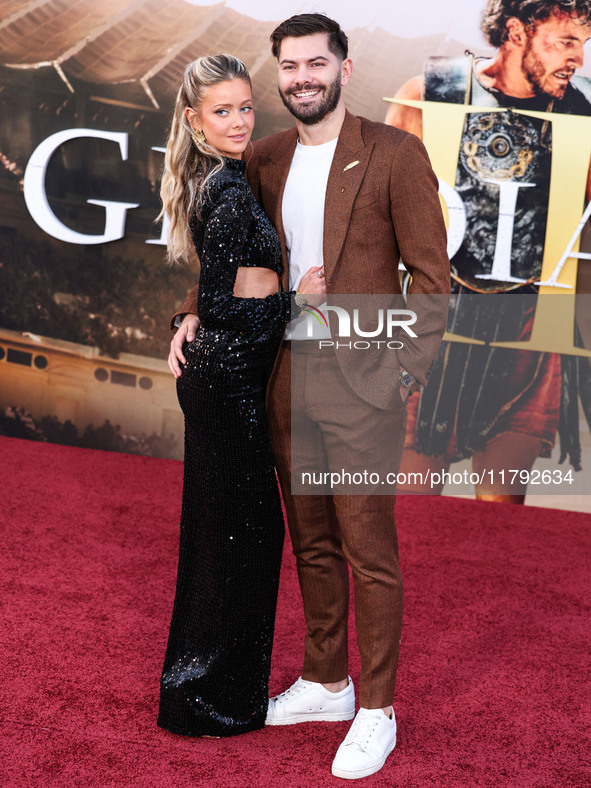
<point x="230" y="235"/>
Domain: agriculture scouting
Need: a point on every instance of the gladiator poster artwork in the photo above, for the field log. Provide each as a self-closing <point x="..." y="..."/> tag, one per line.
<point x="500" y="93"/>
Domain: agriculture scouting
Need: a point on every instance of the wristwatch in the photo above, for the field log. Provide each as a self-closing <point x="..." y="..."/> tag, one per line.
<point x="300" y="300"/>
<point x="406" y="379"/>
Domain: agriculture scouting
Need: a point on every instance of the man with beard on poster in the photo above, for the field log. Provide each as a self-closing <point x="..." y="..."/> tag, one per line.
<point x="511" y="403"/>
<point x="323" y="184"/>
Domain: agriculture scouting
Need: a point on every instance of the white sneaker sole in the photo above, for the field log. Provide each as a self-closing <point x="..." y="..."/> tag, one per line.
<point x="311" y="716"/>
<point x="355" y="775"/>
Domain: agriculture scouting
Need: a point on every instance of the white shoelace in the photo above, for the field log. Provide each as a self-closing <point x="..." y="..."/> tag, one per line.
<point x="361" y="732"/>
<point x="291" y="692"/>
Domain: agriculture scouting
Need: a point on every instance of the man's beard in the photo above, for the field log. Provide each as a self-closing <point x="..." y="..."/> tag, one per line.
<point x="313" y="113"/>
<point x="536" y="75"/>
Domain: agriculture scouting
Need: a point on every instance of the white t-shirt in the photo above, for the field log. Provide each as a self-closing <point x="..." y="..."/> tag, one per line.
<point x="302" y="212"/>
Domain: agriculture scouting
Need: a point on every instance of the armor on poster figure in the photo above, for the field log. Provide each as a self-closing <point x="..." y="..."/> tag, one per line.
<point x="499" y="148"/>
<point x="501" y="406"/>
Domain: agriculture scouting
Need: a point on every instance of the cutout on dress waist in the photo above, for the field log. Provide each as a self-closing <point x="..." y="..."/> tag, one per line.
<point x="255" y="282"/>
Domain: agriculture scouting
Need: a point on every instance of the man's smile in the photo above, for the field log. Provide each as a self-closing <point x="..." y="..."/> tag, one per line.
<point x="306" y="93"/>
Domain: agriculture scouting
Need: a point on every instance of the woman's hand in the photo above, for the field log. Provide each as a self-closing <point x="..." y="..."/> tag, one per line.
<point x="313" y="285"/>
<point x="185" y="333"/>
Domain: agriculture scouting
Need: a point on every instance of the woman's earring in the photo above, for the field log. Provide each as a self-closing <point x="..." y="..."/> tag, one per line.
<point x="198" y="137"/>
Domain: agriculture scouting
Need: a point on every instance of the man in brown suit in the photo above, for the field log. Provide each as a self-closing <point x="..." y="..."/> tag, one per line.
<point x="378" y="202"/>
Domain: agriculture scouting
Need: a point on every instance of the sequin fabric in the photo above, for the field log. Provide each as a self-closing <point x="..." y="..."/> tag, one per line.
<point x="216" y="669"/>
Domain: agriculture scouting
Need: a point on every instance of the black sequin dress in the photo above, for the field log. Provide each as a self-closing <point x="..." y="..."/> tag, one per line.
<point x="217" y="664"/>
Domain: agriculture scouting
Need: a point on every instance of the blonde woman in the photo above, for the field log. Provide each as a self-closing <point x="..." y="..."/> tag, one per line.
<point x="216" y="669"/>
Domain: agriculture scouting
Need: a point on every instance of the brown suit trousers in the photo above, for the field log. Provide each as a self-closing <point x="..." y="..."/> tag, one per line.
<point x="330" y="532"/>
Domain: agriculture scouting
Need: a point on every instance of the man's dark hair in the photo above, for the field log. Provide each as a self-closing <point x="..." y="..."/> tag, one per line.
<point x="498" y="12"/>
<point x="308" y="25"/>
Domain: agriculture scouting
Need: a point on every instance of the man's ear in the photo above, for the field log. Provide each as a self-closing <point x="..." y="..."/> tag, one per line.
<point x="516" y="31"/>
<point x="346" y="70"/>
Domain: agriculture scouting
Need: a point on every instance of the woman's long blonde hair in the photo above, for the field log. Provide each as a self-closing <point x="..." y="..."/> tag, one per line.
<point x="189" y="164"/>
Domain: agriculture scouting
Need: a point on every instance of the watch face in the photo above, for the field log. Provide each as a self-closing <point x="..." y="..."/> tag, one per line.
<point x="406" y="378"/>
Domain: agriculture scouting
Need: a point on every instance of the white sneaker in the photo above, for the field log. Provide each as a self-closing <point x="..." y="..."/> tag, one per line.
<point x="370" y="740"/>
<point x="308" y="701"/>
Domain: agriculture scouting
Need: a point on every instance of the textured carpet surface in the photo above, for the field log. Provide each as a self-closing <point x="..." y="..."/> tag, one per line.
<point x="493" y="680"/>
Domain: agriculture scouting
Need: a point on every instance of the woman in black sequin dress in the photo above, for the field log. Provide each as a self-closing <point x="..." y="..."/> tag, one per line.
<point x="216" y="669"/>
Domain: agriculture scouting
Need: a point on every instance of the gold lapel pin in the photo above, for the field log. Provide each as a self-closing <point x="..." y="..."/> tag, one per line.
<point x="353" y="163"/>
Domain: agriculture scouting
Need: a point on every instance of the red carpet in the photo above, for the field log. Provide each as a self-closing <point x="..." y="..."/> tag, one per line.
<point x="495" y="651"/>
